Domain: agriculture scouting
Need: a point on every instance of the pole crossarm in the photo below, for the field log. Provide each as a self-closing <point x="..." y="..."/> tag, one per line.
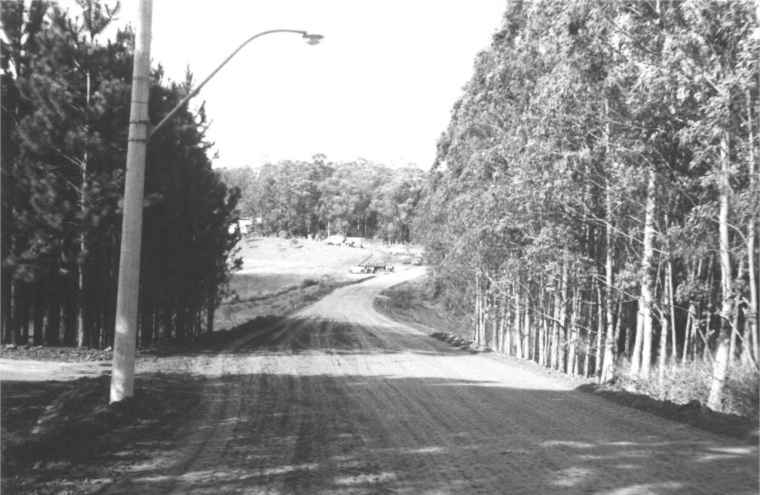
<point x="203" y="83"/>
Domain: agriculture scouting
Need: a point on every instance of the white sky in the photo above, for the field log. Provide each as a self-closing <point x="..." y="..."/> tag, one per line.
<point x="380" y="86"/>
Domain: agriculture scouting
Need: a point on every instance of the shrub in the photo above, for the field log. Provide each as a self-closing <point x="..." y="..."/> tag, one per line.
<point x="684" y="383"/>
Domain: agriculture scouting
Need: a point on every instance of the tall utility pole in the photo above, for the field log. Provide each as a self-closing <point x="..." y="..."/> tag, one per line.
<point x="123" y="374"/>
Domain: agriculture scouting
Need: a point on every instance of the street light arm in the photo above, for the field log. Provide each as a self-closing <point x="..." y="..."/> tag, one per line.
<point x="203" y="83"/>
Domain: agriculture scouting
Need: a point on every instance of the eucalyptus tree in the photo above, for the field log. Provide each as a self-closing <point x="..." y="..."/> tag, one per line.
<point x="719" y="71"/>
<point x="579" y="180"/>
<point x="395" y="201"/>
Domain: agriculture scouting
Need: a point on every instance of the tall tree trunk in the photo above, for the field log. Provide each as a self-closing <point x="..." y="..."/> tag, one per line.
<point x="527" y="332"/>
<point x="70" y="311"/>
<point x="689" y="334"/>
<point x="608" y="361"/>
<point x="751" y="343"/>
<point x="720" y="365"/>
<point x="556" y="325"/>
<point x="210" y="310"/>
<point x="518" y="324"/>
<point x="9" y="320"/>
<point x="572" y="363"/>
<point x="608" y="370"/>
<point x="507" y="327"/>
<point x="627" y="341"/>
<point x="495" y="327"/>
<point x="638" y="343"/>
<point x="82" y="336"/>
<point x="478" y="308"/>
<point x="39" y="310"/>
<point x="18" y="312"/>
<point x="25" y="312"/>
<point x="53" y="326"/>
<point x="6" y="290"/>
<point x="641" y="364"/>
<point x="600" y="324"/>
<point x="616" y="331"/>
<point x="564" y="318"/>
<point x="735" y="324"/>
<point x="541" y="323"/>
<point x="663" y="348"/>
<point x="672" y="311"/>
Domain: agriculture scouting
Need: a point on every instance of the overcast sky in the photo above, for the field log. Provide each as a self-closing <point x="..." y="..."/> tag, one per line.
<point x="380" y="86"/>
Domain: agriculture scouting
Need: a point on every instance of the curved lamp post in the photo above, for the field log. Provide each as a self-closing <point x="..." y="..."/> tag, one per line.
<point x="125" y="338"/>
<point x="311" y="39"/>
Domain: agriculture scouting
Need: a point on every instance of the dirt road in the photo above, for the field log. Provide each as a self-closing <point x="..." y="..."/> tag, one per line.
<point x="340" y="400"/>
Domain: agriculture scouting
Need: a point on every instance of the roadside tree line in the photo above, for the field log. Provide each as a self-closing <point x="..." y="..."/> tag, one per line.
<point x="65" y="114"/>
<point x="320" y="198"/>
<point x="594" y="200"/>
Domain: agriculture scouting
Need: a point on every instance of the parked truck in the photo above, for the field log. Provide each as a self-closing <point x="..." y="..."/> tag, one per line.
<point x="372" y="264"/>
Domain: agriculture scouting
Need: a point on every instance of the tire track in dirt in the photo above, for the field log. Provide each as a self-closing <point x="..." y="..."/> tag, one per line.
<point x="341" y="400"/>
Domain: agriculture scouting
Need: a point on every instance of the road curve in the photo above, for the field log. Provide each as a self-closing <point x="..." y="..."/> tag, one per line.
<point x="341" y="400"/>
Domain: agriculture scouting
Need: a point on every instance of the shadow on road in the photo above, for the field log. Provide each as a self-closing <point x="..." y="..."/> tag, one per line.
<point x="310" y="406"/>
<point x="387" y="434"/>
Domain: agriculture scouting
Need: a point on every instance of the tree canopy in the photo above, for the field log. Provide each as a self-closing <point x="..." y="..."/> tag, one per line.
<point x="320" y="198"/>
<point x="65" y="114"/>
<point x="597" y="186"/>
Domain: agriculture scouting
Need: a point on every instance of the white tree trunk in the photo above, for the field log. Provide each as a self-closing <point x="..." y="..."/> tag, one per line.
<point x="641" y="364"/>
<point x="720" y="364"/>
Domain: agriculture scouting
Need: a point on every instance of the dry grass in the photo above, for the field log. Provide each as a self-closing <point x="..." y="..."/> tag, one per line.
<point x="688" y="382"/>
<point x="282" y="276"/>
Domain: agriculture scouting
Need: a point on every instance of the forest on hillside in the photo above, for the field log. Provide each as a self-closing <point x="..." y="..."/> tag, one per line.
<point x="65" y="114"/>
<point x="594" y="201"/>
<point x="320" y="198"/>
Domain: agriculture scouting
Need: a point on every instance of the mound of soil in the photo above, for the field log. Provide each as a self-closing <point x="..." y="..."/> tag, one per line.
<point x="65" y="434"/>
<point x="691" y="413"/>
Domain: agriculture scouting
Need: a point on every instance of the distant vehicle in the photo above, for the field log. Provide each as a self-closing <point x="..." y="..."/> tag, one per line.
<point x="417" y="261"/>
<point x="357" y="269"/>
<point x="376" y="267"/>
<point x="406" y="260"/>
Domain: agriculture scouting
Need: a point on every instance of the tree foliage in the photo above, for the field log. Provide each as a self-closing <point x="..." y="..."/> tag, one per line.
<point x="65" y="114"/>
<point x="320" y="198"/>
<point x="596" y="187"/>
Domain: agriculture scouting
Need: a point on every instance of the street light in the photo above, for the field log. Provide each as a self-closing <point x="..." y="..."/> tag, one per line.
<point x="123" y="373"/>
<point x="312" y="39"/>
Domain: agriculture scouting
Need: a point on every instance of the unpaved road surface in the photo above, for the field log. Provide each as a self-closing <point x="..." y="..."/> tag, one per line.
<point x="340" y="400"/>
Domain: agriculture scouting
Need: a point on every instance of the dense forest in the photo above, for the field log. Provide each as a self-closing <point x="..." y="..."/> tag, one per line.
<point x="65" y="115"/>
<point x="594" y="201"/>
<point x="319" y="198"/>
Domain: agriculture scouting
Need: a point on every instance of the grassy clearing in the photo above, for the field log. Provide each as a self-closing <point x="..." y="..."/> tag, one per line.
<point x="282" y="276"/>
<point x="256" y="287"/>
<point x="413" y="304"/>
